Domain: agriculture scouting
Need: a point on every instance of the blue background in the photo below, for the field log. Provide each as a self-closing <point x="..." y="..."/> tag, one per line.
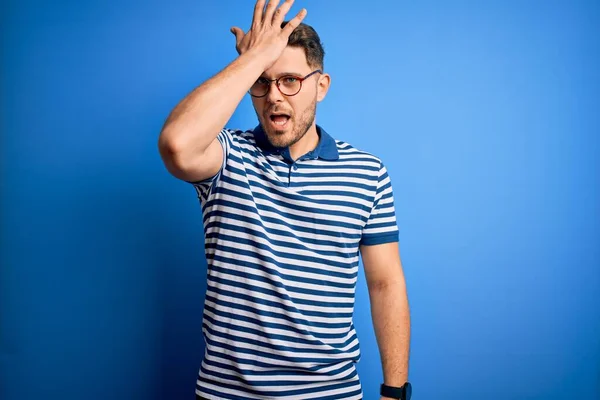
<point x="485" y="113"/>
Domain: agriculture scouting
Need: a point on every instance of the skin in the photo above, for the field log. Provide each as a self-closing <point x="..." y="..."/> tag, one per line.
<point x="188" y="142"/>
<point x="389" y="309"/>
<point x="300" y="133"/>
<point x="191" y="152"/>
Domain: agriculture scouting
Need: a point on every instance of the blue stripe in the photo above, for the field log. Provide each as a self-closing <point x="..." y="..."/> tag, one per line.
<point x="308" y="371"/>
<point x="288" y="205"/>
<point x="282" y="184"/>
<point x="290" y="256"/>
<point x="337" y="193"/>
<point x="282" y="306"/>
<point x="277" y="393"/>
<point x="274" y="325"/>
<point x="246" y="208"/>
<point x="281" y="383"/>
<point x="213" y="226"/>
<point x="258" y="353"/>
<point x="276" y="370"/>
<point x="280" y="315"/>
<point x="273" y="336"/>
<point x="217" y="216"/>
<point x="325" y="167"/>
<point x="297" y="197"/>
<point x="293" y="278"/>
<point x="275" y="347"/>
<point x="289" y="288"/>
<point x="288" y="266"/>
<point x="255" y="176"/>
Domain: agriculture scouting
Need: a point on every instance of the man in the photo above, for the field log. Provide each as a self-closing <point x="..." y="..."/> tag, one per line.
<point x="287" y="211"/>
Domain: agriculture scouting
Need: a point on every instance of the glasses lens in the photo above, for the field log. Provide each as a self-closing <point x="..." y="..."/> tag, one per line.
<point x="289" y="85"/>
<point x="260" y="87"/>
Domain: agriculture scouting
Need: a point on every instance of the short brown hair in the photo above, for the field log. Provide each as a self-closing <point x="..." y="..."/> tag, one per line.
<point x="306" y="37"/>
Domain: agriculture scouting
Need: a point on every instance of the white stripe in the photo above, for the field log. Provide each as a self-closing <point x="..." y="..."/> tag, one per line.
<point x="279" y="310"/>
<point x="335" y="343"/>
<point x="278" y="354"/>
<point x="234" y="392"/>
<point x="280" y="321"/>
<point x="286" y="252"/>
<point x="278" y="278"/>
<point x="343" y="240"/>
<point x="267" y="176"/>
<point x="278" y="342"/>
<point x="301" y="274"/>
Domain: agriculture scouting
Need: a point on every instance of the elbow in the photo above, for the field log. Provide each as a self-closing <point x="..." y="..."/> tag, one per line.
<point x="183" y="162"/>
<point x="173" y="154"/>
<point x="168" y="145"/>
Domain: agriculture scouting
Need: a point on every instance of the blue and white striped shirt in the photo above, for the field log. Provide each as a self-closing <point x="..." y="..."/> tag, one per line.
<point x="282" y="245"/>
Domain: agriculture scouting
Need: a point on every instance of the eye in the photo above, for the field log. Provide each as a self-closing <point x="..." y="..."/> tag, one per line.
<point x="289" y="79"/>
<point x="262" y="81"/>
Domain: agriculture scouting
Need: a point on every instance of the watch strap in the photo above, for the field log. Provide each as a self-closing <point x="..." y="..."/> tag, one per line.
<point x="401" y="393"/>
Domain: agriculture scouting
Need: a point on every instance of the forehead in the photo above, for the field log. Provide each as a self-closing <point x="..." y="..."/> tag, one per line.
<point x="292" y="59"/>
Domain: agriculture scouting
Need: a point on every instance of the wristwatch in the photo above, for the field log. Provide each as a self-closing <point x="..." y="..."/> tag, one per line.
<point x="400" y="393"/>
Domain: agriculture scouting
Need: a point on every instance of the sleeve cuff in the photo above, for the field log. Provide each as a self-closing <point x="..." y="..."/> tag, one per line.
<point x="371" y="240"/>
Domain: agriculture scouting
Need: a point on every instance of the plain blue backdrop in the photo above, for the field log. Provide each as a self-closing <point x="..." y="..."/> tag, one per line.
<point x="485" y="113"/>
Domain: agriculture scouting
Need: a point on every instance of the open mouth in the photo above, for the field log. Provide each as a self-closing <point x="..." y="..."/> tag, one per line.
<point x="279" y="120"/>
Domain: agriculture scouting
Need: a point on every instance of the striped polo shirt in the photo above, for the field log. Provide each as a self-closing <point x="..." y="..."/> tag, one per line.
<point x="282" y="241"/>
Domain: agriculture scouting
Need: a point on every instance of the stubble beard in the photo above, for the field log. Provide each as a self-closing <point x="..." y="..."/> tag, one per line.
<point x="279" y="139"/>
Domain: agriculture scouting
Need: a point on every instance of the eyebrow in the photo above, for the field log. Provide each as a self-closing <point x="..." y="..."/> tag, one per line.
<point x="284" y="74"/>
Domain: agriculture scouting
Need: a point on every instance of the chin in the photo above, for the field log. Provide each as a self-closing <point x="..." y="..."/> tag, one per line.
<point x="279" y="140"/>
<point x="279" y="137"/>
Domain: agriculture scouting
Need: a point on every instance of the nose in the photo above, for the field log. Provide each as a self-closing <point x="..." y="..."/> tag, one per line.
<point x="274" y="95"/>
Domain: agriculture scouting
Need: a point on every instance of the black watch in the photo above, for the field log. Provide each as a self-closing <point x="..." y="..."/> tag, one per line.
<point x="401" y="393"/>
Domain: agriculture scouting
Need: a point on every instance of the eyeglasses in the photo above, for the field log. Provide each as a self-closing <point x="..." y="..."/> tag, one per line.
<point x="288" y="85"/>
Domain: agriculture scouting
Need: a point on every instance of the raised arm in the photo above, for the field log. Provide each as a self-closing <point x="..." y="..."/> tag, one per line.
<point x="187" y="142"/>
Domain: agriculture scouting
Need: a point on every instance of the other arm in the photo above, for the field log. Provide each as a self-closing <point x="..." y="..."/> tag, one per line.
<point x="389" y="309"/>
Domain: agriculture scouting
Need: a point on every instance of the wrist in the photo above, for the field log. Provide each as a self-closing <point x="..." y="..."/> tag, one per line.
<point x="257" y="58"/>
<point x="403" y="392"/>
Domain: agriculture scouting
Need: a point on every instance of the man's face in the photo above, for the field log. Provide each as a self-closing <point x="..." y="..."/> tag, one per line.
<point x="285" y="119"/>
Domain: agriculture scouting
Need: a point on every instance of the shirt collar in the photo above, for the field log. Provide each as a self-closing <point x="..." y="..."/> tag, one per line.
<point x="326" y="149"/>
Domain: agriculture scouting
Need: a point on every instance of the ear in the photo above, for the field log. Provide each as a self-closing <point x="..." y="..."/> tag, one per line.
<point x="323" y="86"/>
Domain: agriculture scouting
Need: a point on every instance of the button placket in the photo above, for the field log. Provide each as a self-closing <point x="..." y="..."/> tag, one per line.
<point x="292" y="173"/>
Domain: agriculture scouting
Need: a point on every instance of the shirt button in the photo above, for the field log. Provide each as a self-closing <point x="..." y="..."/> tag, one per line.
<point x="295" y="167"/>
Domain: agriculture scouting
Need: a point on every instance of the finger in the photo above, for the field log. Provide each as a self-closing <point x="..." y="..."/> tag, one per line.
<point x="258" y="12"/>
<point x="280" y="13"/>
<point x="271" y="7"/>
<point x="239" y="34"/>
<point x="294" y="22"/>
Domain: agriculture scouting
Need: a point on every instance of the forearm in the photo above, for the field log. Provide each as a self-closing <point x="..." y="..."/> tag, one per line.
<point x="391" y="322"/>
<point x="196" y="121"/>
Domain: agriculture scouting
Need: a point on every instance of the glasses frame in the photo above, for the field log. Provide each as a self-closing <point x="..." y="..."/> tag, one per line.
<point x="300" y="78"/>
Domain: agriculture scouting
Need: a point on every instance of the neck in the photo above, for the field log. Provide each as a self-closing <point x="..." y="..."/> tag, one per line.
<point x="309" y="142"/>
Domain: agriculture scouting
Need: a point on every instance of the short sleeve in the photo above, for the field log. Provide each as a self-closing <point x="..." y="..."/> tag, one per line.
<point x="381" y="227"/>
<point x="227" y="141"/>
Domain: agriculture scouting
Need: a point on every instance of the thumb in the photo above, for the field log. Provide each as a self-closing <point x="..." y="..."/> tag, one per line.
<point x="239" y="34"/>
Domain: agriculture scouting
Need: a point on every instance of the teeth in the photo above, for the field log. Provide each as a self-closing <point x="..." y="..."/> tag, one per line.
<point x="279" y="120"/>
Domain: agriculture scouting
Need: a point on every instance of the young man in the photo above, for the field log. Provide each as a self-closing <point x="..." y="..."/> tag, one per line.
<point x="287" y="211"/>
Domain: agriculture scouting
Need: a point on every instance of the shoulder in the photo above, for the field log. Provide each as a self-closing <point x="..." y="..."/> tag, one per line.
<point x="238" y="134"/>
<point x="238" y="137"/>
<point x="352" y="155"/>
